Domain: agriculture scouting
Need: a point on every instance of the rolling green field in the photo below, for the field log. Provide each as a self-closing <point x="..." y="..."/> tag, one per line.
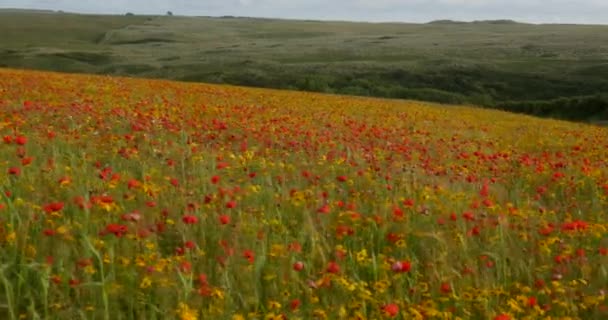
<point x="547" y="70"/>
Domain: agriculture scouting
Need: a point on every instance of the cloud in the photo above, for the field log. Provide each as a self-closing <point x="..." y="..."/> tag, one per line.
<point x="575" y="11"/>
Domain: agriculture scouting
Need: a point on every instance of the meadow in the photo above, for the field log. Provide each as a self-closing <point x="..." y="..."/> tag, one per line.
<point x="548" y="70"/>
<point x="147" y="199"/>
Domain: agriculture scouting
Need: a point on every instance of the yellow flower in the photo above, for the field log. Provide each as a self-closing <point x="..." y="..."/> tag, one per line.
<point x="362" y="257"/>
<point x="10" y="238"/>
<point x="184" y="312"/>
<point x="124" y="261"/>
<point x="89" y="270"/>
<point x="277" y="250"/>
<point x="30" y="251"/>
<point x="98" y="243"/>
<point x="146" y="282"/>
<point x="381" y="286"/>
<point x="319" y="314"/>
<point x="150" y="245"/>
<point x="217" y="293"/>
<point x="514" y="306"/>
<point x="401" y="243"/>
<point x="415" y="314"/>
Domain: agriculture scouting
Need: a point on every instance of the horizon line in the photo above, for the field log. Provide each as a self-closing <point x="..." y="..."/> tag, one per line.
<point x="388" y="21"/>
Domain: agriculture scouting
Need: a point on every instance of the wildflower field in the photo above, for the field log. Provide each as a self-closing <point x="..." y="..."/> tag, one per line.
<point x="142" y="199"/>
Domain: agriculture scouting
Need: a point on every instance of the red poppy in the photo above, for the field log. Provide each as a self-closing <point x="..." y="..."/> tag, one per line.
<point x="85" y="262"/>
<point x="189" y="244"/>
<point x="393" y="237"/>
<point x="546" y="231"/>
<point x="408" y="203"/>
<point x="325" y="209"/>
<point x="577" y="225"/>
<point x="202" y="279"/>
<point x="475" y="231"/>
<point x="390" y="310"/>
<point x="118" y="230"/>
<point x="133" y="183"/>
<point x="487" y="203"/>
<point x="26" y="161"/>
<point x="21" y="140"/>
<point x="56" y="279"/>
<point x="249" y="255"/>
<point x="402" y="266"/>
<point x="295" y="247"/>
<point x="397" y="212"/>
<point x="298" y="266"/>
<point x="224" y="219"/>
<point x="485" y="190"/>
<point x="445" y="288"/>
<point x="185" y="267"/>
<point x="15" y="171"/>
<point x="469" y="216"/>
<point x="215" y="179"/>
<point x="189" y="219"/>
<point x="294" y="304"/>
<point x="333" y="267"/>
<point x="132" y="216"/>
<point x="53" y="207"/>
<point x="581" y="253"/>
<point x="64" y="180"/>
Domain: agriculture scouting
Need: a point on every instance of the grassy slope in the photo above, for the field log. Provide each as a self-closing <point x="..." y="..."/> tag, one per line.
<point x="144" y="146"/>
<point x="495" y="64"/>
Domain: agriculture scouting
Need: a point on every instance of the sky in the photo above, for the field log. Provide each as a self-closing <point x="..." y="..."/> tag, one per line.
<point x="534" y="11"/>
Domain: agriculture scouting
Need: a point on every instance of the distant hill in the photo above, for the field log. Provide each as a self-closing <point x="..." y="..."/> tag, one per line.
<point x="545" y="70"/>
<point x="17" y="10"/>
<point x="502" y="21"/>
<point x="446" y="21"/>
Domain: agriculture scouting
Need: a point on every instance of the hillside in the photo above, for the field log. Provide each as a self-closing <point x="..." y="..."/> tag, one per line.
<point x="141" y="199"/>
<point x="548" y="70"/>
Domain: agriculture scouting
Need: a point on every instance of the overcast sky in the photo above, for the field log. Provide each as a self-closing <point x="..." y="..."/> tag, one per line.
<point x="551" y="11"/>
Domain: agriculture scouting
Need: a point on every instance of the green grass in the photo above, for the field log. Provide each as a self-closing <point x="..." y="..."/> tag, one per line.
<point x="491" y="63"/>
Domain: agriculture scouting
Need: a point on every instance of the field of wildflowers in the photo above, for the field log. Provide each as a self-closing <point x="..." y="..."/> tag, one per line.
<point x="141" y="199"/>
